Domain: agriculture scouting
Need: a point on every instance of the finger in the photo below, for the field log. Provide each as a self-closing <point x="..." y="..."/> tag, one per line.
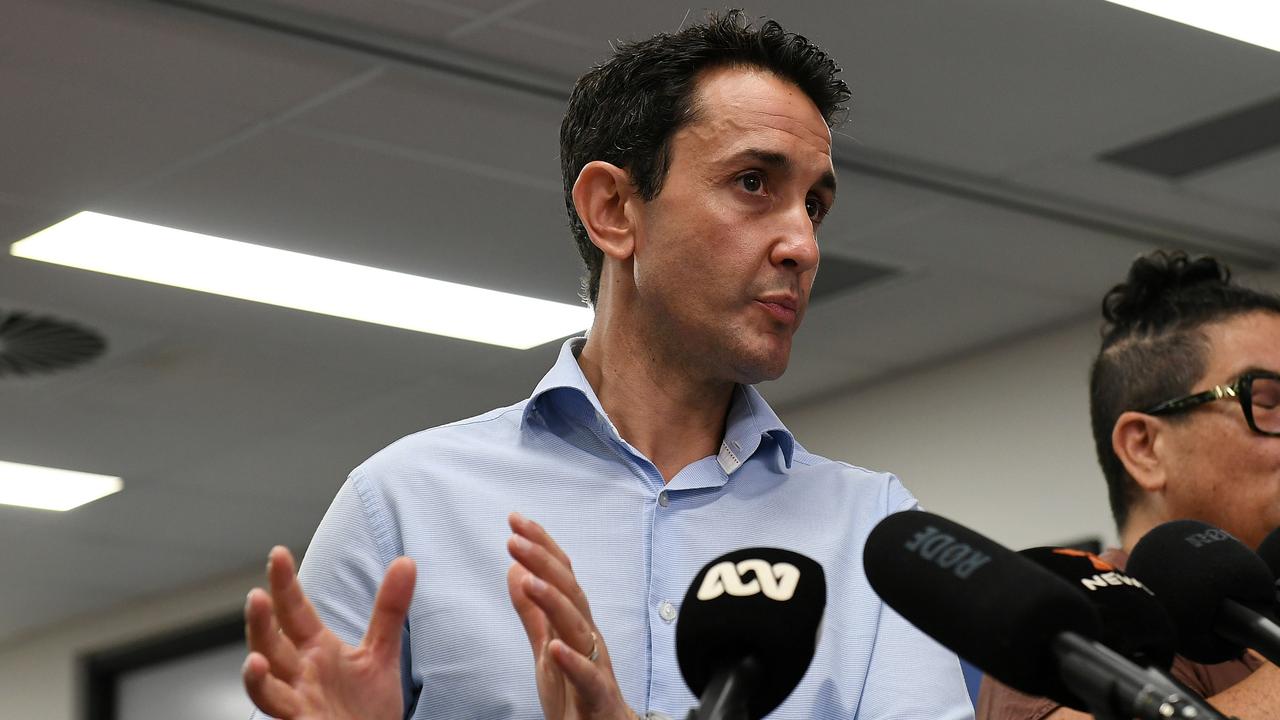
<point x="538" y="535"/>
<point x="531" y="616"/>
<point x="293" y="610"/>
<point x="542" y="563"/>
<point x="567" y="622"/>
<point x="390" y="608"/>
<point x="272" y="695"/>
<point x="588" y="678"/>
<point x="263" y="636"/>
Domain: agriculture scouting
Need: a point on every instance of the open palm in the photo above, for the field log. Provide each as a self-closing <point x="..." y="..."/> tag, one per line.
<point x="298" y="669"/>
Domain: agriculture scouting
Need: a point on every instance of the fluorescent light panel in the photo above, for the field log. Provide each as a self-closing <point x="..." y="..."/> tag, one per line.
<point x="1252" y="21"/>
<point x="141" y="251"/>
<point x="47" y="488"/>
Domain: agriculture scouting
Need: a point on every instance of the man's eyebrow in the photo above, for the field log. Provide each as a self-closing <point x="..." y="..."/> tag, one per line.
<point x="770" y="158"/>
<point x="781" y="161"/>
<point x="828" y="182"/>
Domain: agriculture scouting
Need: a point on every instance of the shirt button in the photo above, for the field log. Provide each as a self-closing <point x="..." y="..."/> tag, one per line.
<point x="663" y="500"/>
<point x="667" y="611"/>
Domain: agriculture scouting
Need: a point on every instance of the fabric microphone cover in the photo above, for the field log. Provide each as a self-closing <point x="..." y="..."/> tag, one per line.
<point x="1192" y="567"/>
<point x="1134" y="623"/>
<point x="993" y="607"/>
<point x="764" y="603"/>
<point x="1269" y="551"/>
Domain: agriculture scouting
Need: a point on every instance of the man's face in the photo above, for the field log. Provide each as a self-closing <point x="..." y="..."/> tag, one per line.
<point x="1221" y="471"/>
<point x="726" y="253"/>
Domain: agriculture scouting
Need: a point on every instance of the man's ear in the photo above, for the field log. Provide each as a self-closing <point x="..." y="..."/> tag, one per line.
<point x="1135" y="440"/>
<point x="604" y="197"/>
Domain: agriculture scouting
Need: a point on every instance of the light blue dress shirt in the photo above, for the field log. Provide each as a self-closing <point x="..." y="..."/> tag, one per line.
<point x="442" y="497"/>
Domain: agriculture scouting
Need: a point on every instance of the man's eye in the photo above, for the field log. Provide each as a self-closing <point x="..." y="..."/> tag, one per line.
<point x="752" y="182"/>
<point x="816" y="208"/>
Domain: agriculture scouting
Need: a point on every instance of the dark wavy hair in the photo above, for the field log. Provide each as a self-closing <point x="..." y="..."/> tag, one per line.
<point x="1154" y="348"/>
<point x="625" y="111"/>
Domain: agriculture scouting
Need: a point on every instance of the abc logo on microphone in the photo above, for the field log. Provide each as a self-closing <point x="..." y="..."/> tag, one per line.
<point x="761" y="603"/>
<point x="745" y="578"/>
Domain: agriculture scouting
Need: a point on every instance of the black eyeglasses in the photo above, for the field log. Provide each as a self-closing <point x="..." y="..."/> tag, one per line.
<point x="1258" y="393"/>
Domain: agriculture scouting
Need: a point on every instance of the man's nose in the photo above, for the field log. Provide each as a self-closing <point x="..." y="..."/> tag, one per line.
<point x="796" y="246"/>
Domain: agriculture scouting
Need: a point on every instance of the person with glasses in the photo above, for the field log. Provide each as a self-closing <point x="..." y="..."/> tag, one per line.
<point x="1184" y="398"/>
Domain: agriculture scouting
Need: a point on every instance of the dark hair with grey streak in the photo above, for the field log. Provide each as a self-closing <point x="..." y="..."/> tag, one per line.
<point x="1154" y="348"/>
<point x="625" y="111"/>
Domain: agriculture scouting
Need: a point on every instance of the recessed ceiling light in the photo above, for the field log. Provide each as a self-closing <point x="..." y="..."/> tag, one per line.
<point x="48" y="488"/>
<point x="142" y="251"/>
<point x="1252" y="21"/>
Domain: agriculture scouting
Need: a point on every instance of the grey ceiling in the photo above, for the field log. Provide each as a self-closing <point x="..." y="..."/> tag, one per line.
<point x="421" y="136"/>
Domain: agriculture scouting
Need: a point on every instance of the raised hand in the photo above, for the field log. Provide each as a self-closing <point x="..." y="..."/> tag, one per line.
<point x="297" y="669"/>
<point x="575" y="675"/>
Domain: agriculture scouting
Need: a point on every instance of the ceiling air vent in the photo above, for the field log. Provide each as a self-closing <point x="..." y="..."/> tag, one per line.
<point x="1205" y="145"/>
<point x="839" y="275"/>
<point x="31" y="345"/>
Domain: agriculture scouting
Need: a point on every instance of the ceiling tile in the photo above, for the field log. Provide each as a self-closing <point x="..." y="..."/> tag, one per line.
<point x="66" y="144"/>
<point x="1001" y="84"/>
<point x="866" y="205"/>
<point x="167" y="57"/>
<point x="993" y="246"/>
<point x="310" y="195"/>
<point x="425" y="114"/>
<point x="1215" y="220"/>
<point x="423" y="19"/>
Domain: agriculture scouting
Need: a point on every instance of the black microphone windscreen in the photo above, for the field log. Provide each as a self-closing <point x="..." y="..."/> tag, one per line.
<point x="993" y="607"/>
<point x="764" y="603"/>
<point x="1134" y="623"/>
<point x="1193" y="567"/>
<point x="1269" y="551"/>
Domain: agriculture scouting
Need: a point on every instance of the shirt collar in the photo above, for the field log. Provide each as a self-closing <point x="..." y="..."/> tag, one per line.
<point x="749" y="422"/>
<point x="566" y="374"/>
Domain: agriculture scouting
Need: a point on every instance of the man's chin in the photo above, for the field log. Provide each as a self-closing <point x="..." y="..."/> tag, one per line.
<point x="763" y="369"/>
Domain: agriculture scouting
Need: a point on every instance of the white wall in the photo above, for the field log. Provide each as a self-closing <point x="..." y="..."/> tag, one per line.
<point x="998" y="441"/>
<point x="38" y="672"/>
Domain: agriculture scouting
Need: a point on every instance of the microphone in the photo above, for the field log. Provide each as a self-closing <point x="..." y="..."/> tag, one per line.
<point x="1017" y="621"/>
<point x="748" y="629"/>
<point x="1134" y="623"/>
<point x="1269" y="551"/>
<point x="1217" y="591"/>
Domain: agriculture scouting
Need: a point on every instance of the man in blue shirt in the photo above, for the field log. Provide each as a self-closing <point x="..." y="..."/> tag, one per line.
<point x="697" y="169"/>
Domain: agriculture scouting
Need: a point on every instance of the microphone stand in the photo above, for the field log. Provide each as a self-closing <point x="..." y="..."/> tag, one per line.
<point x="1116" y="689"/>
<point x="727" y="692"/>
<point x="1245" y="626"/>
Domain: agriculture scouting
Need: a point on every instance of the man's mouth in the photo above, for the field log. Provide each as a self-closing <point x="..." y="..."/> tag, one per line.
<point x="783" y="308"/>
